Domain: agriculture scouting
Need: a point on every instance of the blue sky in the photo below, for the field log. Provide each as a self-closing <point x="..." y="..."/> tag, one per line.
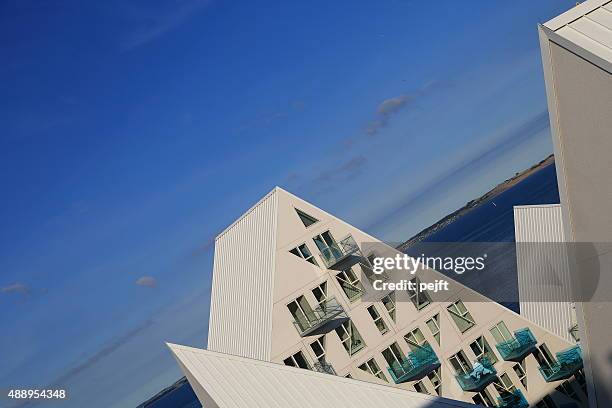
<point x="131" y="132"/>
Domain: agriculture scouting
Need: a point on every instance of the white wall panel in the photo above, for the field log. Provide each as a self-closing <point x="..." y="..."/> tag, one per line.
<point x="540" y="262"/>
<point x="243" y="275"/>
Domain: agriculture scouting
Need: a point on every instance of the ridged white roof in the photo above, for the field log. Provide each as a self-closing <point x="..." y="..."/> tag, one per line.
<point x="588" y="25"/>
<point x="236" y="382"/>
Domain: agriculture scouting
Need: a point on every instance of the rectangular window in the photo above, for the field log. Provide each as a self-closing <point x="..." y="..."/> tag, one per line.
<point x="415" y="339"/>
<point x="500" y="333"/>
<point x="297" y="360"/>
<point x="389" y="303"/>
<point x="546" y="402"/>
<point x="579" y="376"/>
<point x="302" y="312"/>
<point x="567" y="389"/>
<point x="318" y="348"/>
<point x="320" y="292"/>
<point x="326" y="242"/>
<point x="436" y="380"/>
<point x="393" y="355"/>
<point x="484" y="398"/>
<point x="460" y="363"/>
<point x="303" y="252"/>
<point x="481" y="348"/>
<point x="420" y="387"/>
<point x="543" y="356"/>
<point x="378" y="321"/>
<point x="350" y="337"/>
<point x="519" y="370"/>
<point x="351" y="286"/>
<point x="434" y="327"/>
<point x="419" y="299"/>
<point x="462" y="318"/>
<point x="371" y="367"/>
<point x="504" y="384"/>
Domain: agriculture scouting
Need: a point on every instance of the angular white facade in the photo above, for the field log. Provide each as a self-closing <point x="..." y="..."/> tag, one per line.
<point x="223" y="381"/>
<point x="577" y="58"/>
<point x="542" y="261"/>
<point x="267" y="294"/>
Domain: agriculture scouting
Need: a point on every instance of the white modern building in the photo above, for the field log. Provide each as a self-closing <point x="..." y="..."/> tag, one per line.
<point x="577" y="58"/>
<point x="292" y="285"/>
<point x="543" y="269"/>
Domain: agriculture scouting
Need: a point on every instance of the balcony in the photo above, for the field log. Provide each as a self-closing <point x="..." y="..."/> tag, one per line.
<point x="341" y="254"/>
<point x="323" y="367"/>
<point x="323" y="314"/>
<point x="352" y="291"/>
<point x="482" y="374"/>
<point x="523" y="344"/>
<point x="568" y="363"/>
<point x="514" y="399"/>
<point x="415" y="366"/>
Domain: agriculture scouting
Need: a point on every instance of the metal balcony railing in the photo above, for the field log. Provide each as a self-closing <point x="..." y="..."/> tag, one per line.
<point x="327" y="310"/>
<point x="324" y="367"/>
<point x="568" y="363"/>
<point x="415" y="366"/>
<point x="352" y="291"/>
<point x="514" y="399"/>
<point x="482" y="374"/>
<point x="523" y="344"/>
<point x="340" y="251"/>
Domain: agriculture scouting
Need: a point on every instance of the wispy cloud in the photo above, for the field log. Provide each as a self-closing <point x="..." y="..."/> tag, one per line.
<point x="16" y="288"/>
<point x="147" y="281"/>
<point x="390" y="107"/>
<point x="151" y="24"/>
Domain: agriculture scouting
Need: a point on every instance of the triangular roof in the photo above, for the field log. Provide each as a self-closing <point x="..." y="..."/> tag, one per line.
<point x="223" y="380"/>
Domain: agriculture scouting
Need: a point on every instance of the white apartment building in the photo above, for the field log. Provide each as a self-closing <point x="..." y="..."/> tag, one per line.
<point x="290" y="286"/>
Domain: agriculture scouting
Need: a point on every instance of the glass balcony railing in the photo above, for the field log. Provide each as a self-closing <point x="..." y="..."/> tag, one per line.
<point x="321" y="315"/>
<point x="415" y="366"/>
<point x="523" y="344"/>
<point x="514" y="399"/>
<point x="339" y="252"/>
<point x="324" y="367"/>
<point x="568" y="363"/>
<point x="483" y="373"/>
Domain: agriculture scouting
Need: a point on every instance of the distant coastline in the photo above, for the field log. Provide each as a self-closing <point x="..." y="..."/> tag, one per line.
<point x="470" y="205"/>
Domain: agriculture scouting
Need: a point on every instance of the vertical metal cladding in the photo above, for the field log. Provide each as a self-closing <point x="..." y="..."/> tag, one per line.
<point x="543" y="269"/>
<point x="243" y="273"/>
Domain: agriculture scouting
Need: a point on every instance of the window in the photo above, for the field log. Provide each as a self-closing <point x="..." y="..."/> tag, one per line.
<point x="320" y="292"/>
<point x="302" y="312"/>
<point x="351" y="286"/>
<point x="463" y="319"/>
<point x="350" y="337"/>
<point x="420" y="387"/>
<point x="419" y="299"/>
<point x="307" y="220"/>
<point x="500" y="333"/>
<point x="484" y="398"/>
<point x="378" y="321"/>
<point x="415" y="339"/>
<point x="546" y="402"/>
<point x="303" y="252"/>
<point x="348" y="376"/>
<point x="579" y="376"/>
<point x="519" y="370"/>
<point x="389" y="303"/>
<point x="318" y="348"/>
<point x="567" y="389"/>
<point x="393" y="355"/>
<point x="297" y="360"/>
<point x="504" y="384"/>
<point x="460" y="363"/>
<point x="371" y="367"/>
<point x="326" y="243"/>
<point x="436" y="380"/>
<point x="543" y="356"/>
<point x="481" y="348"/>
<point x="434" y="327"/>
